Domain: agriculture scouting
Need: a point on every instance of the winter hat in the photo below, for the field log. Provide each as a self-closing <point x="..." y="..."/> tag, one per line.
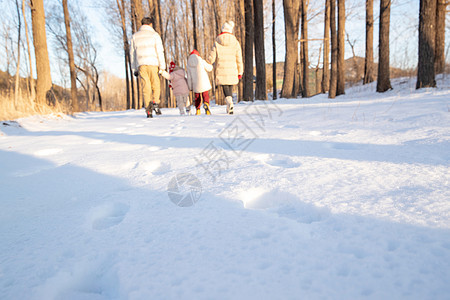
<point x="171" y="66"/>
<point x="228" y="26"/>
<point x="195" y="52"/>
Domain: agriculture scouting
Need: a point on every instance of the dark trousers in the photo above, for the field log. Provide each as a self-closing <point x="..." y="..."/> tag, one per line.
<point x="227" y="90"/>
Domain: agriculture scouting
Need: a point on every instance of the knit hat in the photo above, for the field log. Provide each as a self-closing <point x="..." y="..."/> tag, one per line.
<point x="228" y="26"/>
<point x="171" y="66"/>
<point x="195" y="52"/>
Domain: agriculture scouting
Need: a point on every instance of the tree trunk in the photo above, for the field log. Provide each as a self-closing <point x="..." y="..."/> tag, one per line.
<point x="340" y="89"/>
<point x="368" y="61"/>
<point x="291" y="11"/>
<point x="73" y="73"/>
<point x="217" y="15"/>
<point x="260" y="57"/>
<point x="334" y="50"/>
<point x="304" y="45"/>
<point x="248" y="51"/>
<point x="326" y="49"/>
<point x="383" y="79"/>
<point x="240" y="31"/>
<point x="274" y="54"/>
<point x="31" y="79"/>
<point x="175" y="36"/>
<point x="194" y="23"/>
<point x="427" y="35"/>
<point x="126" y="50"/>
<point x="44" y="78"/>
<point x="439" y="56"/>
<point x="159" y="28"/>
<point x="19" y="30"/>
<point x="134" y="28"/>
<point x="137" y="13"/>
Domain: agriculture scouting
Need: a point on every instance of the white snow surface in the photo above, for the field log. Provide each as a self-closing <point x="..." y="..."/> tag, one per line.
<point x="316" y="198"/>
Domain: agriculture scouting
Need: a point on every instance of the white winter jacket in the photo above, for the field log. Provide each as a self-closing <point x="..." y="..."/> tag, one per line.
<point x="197" y="76"/>
<point x="147" y="49"/>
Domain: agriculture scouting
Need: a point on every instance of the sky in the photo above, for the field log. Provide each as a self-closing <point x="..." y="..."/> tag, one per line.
<point x="404" y="40"/>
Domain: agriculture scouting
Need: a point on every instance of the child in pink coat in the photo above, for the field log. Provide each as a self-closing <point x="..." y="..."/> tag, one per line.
<point x="179" y="85"/>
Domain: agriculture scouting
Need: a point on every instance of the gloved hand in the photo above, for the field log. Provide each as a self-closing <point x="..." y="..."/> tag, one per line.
<point x="136" y="73"/>
<point x="239" y="77"/>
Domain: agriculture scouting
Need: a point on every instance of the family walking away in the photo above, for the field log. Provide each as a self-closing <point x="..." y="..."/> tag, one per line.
<point x="148" y="62"/>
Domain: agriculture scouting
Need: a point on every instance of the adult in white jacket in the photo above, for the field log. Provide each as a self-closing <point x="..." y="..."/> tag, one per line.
<point x="147" y="55"/>
<point x="198" y="80"/>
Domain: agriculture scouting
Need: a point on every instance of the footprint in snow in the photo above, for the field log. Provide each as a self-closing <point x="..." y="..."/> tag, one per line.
<point x="282" y="162"/>
<point x="156" y="167"/>
<point x="283" y="204"/>
<point x="107" y="215"/>
<point x="91" y="278"/>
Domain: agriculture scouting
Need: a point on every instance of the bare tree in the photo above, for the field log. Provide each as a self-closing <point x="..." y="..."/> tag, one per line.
<point x="334" y="50"/>
<point x="427" y="22"/>
<point x="31" y="80"/>
<point x="356" y="69"/>
<point x="73" y="73"/>
<point x="248" y="51"/>
<point x="44" y="78"/>
<point x="19" y="31"/>
<point x="86" y="59"/>
<point x="274" y="53"/>
<point x="240" y="35"/>
<point x="291" y="23"/>
<point x="137" y="14"/>
<point x="383" y="79"/>
<point x="126" y="49"/>
<point x="304" y="47"/>
<point x="368" y="61"/>
<point x="440" y="36"/>
<point x="326" y="49"/>
<point x="194" y="24"/>
<point x="340" y="89"/>
<point x="260" y="57"/>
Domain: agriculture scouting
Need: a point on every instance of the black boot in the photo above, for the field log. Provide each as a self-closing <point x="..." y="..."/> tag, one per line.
<point x="149" y="109"/>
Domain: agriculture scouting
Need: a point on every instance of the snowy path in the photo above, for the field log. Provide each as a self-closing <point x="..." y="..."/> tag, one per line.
<point x="301" y="199"/>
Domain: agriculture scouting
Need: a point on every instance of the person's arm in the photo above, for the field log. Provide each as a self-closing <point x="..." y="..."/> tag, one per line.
<point x="212" y="55"/>
<point x="240" y="65"/>
<point x="189" y="80"/>
<point x="165" y="75"/>
<point x="133" y="60"/>
<point x="208" y="67"/>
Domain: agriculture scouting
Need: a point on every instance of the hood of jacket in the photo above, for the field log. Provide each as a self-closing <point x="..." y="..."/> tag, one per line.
<point x="176" y="69"/>
<point x="226" y="39"/>
<point x="193" y="60"/>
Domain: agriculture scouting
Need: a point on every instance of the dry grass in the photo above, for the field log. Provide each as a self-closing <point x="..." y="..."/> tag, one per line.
<point x="24" y="107"/>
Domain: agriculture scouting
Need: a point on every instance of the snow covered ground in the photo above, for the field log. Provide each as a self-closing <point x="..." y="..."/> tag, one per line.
<point x="296" y="199"/>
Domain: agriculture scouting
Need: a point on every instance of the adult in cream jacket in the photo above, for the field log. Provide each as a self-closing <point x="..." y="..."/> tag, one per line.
<point x="227" y="55"/>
